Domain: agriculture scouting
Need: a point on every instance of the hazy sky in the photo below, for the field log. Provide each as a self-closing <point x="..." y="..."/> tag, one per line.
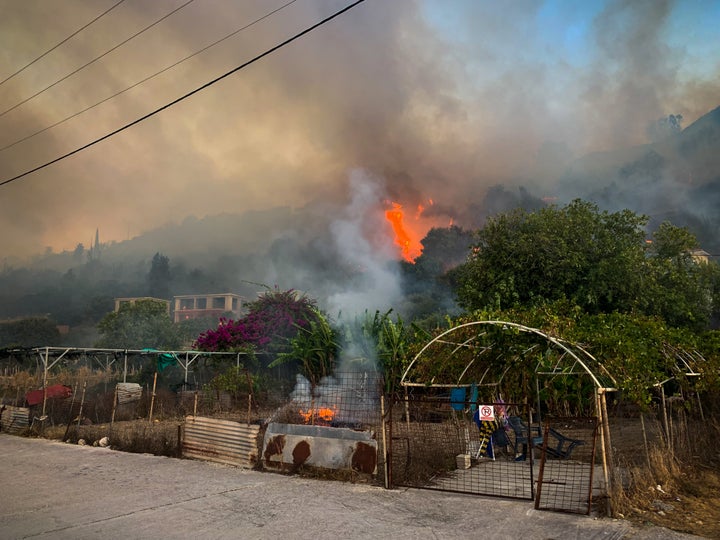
<point x="440" y="98"/>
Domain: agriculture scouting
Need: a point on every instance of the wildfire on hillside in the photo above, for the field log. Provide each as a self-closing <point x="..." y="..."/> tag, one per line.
<point x="410" y="228"/>
<point x="406" y="237"/>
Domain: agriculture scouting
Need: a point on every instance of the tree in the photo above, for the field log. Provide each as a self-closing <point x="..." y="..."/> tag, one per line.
<point x="443" y="249"/>
<point x="159" y="277"/>
<point x="29" y="332"/>
<point x="676" y="287"/>
<point x="665" y="127"/>
<point x="314" y="347"/>
<point x="576" y="252"/>
<point x="271" y="322"/>
<point x="142" y="324"/>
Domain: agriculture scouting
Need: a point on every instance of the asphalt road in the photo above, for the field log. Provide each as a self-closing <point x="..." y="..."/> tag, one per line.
<point x="55" y="490"/>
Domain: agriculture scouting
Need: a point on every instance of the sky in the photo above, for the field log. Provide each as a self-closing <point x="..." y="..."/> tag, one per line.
<point x="435" y="99"/>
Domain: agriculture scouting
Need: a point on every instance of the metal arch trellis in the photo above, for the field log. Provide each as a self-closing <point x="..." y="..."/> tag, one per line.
<point x="601" y="378"/>
<point x="572" y="353"/>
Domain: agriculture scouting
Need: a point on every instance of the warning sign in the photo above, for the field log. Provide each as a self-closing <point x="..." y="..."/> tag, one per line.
<point x="487" y="413"/>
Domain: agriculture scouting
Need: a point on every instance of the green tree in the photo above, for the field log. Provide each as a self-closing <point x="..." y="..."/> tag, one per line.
<point x="314" y="347"/>
<point x="159" y="277"/>
<point x="576" y="252"/>
<point x="29" y="332"/>
<point x="143" y="324"/>
<point x="678" y="288"/>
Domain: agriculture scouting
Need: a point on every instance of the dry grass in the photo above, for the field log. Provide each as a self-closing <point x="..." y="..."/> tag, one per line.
<point x="673" y="483"/>
<point x="140" y="436"/>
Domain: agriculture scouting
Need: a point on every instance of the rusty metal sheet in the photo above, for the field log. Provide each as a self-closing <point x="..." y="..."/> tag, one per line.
<point x="221" y="441"/>
<point x="14" y="419"/>
<point x="128" y="392"/>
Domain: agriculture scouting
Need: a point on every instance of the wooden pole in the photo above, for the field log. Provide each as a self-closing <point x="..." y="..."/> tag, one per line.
<point x="152" y="397"/>
<point x="195" y="404"/>
<point x="112" y="416"/>
<point x="44" y="379"/>
<point x="250" y="394"/>
<point x="384" y="441"/>
<point x="644" y="433"/>
<point x="664" y="415"/>
<point x="603" y="450"/>
<point x="82" y="402"/>
<point x="407" y="409"/>
<point x="70" y="416"/>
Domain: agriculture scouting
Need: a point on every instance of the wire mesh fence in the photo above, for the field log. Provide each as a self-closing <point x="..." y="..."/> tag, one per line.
<point x="568" y="476"/>
<point x="461" y="446"/>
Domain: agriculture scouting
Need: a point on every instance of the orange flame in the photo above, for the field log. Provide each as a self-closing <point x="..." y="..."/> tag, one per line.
<point x="407" y="240"/>
<point x="326" y="414"/>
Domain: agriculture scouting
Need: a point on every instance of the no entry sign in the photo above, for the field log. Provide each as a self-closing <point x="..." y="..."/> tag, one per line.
<point x="487" y="413"/>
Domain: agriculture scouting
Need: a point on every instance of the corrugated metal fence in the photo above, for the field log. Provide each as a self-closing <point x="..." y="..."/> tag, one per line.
<point x="222" y="441"/>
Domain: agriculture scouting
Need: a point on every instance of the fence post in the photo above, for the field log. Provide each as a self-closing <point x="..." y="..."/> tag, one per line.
<point x="384" y="440"/>
<point x="152" y="397"/>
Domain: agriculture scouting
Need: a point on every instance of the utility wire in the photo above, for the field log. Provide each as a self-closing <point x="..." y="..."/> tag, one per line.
<point x="97" y="58"/>
<point x="147" y="78"/>
<point x="43" y="55"/>
<point x="191" y="93"/>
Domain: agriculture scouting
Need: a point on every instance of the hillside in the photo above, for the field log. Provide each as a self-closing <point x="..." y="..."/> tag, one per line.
<point x="676" y="179"/>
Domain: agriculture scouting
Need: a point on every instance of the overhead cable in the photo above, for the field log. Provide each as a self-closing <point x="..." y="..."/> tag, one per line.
<point x="147" y="78"/>
<point x="191" y="93"/>
<point x="75" y="33"/>
<point x="36" y="94"/>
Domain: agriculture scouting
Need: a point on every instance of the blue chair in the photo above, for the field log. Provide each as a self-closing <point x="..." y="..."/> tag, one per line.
<point x="524" y="436"/>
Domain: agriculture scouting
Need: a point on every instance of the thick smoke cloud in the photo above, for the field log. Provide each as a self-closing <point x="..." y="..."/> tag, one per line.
<point x="442" y="101"/>
<point x="359" y="237"/>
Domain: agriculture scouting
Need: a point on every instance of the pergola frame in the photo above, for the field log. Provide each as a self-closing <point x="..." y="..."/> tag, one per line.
<point x="573" y="356"/>
<point x="50" y="356"/>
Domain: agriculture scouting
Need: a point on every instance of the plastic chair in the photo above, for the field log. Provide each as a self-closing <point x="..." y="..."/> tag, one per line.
<point x="524" y="435"/>
<point x="563" y="446"/>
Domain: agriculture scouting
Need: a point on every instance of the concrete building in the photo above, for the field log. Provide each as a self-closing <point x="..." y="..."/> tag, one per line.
<point x="195" y="306"/>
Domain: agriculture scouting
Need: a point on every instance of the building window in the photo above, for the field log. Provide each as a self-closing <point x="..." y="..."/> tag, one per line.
<point x="218" y="303"/>
<point x="201" y="303"/>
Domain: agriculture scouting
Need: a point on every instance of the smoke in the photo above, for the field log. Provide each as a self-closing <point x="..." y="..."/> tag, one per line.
<point x="441" y="103"/>
<point x="362" y="241"/>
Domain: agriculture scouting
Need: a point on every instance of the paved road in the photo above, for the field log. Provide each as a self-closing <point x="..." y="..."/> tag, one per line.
<point x="55" y="490"/>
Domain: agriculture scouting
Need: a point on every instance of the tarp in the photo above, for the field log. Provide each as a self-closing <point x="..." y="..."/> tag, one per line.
<point x="56" y="391"/>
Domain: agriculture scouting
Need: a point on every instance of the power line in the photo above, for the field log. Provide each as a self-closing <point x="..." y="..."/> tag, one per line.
<point x="97" y="58"/>
<point x="191" y="93"/>
<point x="148" y="78"/>
<point x="43" y="55"/>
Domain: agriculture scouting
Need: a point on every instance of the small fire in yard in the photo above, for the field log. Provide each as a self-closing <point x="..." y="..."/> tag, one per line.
<point x="318" y="415"/>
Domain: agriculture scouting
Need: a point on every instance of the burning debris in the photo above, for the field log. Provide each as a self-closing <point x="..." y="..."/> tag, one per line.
<point x="348" y="399"/>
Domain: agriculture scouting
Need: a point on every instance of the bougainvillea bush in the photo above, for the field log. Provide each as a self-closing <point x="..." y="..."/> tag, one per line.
<point x="269" y="325"/>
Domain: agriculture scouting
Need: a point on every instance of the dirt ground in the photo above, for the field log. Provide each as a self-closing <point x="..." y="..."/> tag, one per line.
<point x="687" y="499"/>
<point x="692" y="505"/>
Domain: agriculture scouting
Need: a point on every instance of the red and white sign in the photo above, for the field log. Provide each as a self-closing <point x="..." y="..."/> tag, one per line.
<point x="487" y="413"/>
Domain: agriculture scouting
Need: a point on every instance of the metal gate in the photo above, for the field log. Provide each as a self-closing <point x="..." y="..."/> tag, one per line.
<point x="461" y="446"/>
<point x="568" y="475"/>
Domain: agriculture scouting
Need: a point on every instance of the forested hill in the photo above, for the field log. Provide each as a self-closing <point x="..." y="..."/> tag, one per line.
<point x="676" y="178"/>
